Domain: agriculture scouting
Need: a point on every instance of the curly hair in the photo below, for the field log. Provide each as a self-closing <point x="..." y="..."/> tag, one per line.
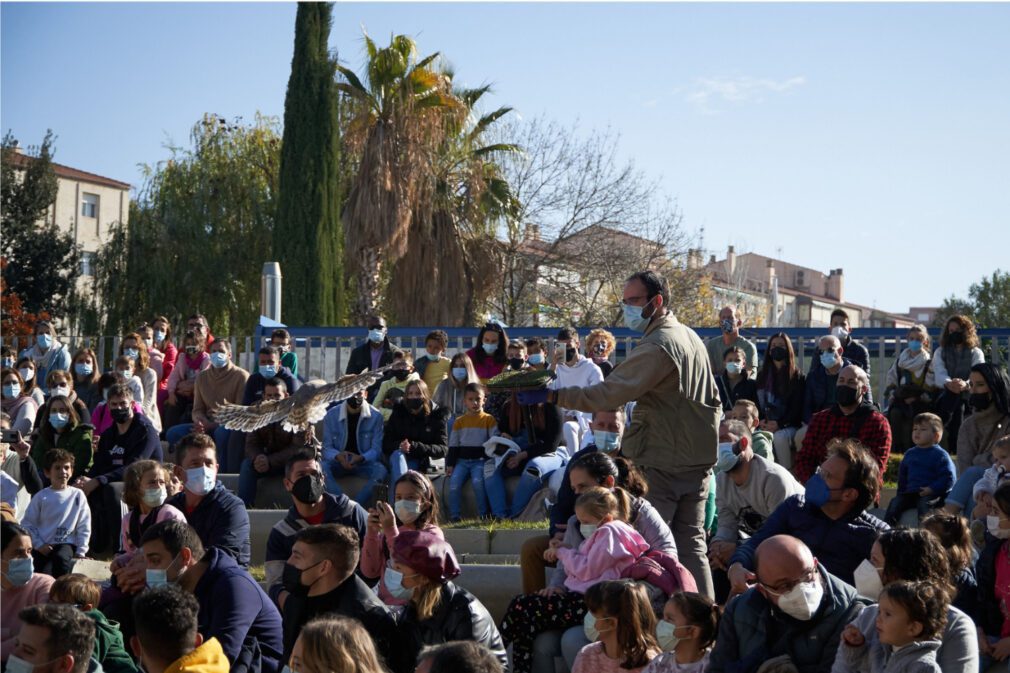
<point x="954" y="534"/>
<point x="915" y="555"/>
<point x="600" y="334"/>
<point x="925" y="603"/>
<point x="967" y="327"/>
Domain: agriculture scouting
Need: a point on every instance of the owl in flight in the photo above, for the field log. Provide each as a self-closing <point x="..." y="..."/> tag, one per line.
<point x="299" y="411"/>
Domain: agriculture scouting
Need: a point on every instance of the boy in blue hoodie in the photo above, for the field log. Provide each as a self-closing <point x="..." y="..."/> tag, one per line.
<point x="926" y="474"/>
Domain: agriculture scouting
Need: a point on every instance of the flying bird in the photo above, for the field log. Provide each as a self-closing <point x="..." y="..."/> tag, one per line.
<point x="299" y="411"/>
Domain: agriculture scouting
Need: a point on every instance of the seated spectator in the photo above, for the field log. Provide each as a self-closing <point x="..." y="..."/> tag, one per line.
<point x="955" y="538"/>
<point x="31" y="385"/>
<point x="18" y="472"/>
<point x="61" y="384"/>
<point x="197" y="323"/>
<point x="58" y="636"/>
<point x="415" y="507"/>
<point x="223" y="382"/>
<point x="352" y="446"/>
<point x="162" y="334"/>
<point x="495" y="402"/>
<point x="449" y="394"/>
<point x="573" y="371"/>
<point x="131" y="438"/>
<point x="926" y="472"/>
<point x="167" y="639"/>
<point x="748" y="489"/>
<point x="730" y="322"/>
<point x="852" y="350"/>
<point x="84" y="593"/>
<point x="620" y="616"/>
<point x="156" y="357"/>
<point x="303" y="479"/>
<point x="86" y="373"/>
<point x="953" y="362"/>
<point x="17" y="402"/>
<point x="991" y="480"/>
<point x="416" y="433"/>
<point x="812" y="608"/>
<point x="101" y="416"/>
<point x="851" y="415"/>
<point x="735" y="382"/>
<point x="178" y="406"/>
<point x="915" y="555"/>
<point x="58" y="518"/>
<point x="762" y="441"/>
<point x="320" y="580"/>
<point x="908" y="387"/>
<point x="233" y="607"/>
<point x="20" y="585"/>
<point x="270" y="367"/>
<point x="600" y="345"/>
<point x="280" y="339"/>
<point x="438" y="611"/>
<point x="780" y="390"/>
<point x="822" y="381"/>
<point x="375" y="353"/>
<point x="64" y="428"/>
<point x="47" y="354"/>
<point x="490" y="355"/>
<point x="992" y="567"/>
<point x="830" y="517"/>
<point x="465" y="459"/>
<point x="335" y="643"/>
<point x="990" y="397"/>
<point x="689" y="651"/>
<point x="464" y="656"/>
<point x="8" y="357"/>
<point x="391" y="391"/>
<point x="126" y="367"/>
<point x="433" y="366"/>
<point x="268" y="449"/>
<point x="218" y="517"/>
<point x="536" y="353"/>
<point x="133" y="346"/>
<point x="145" y="493"/>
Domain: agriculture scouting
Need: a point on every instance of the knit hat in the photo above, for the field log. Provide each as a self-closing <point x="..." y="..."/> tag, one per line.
<point x="427" y="554"/>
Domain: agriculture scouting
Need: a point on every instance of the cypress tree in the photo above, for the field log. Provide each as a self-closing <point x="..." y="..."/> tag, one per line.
<point x="308" y="238"/>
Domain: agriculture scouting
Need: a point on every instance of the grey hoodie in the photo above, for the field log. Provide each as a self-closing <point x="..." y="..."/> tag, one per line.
<point x="876" y="657"/>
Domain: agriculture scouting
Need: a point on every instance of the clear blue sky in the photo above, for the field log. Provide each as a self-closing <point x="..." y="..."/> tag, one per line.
<point x="872" y="137"/>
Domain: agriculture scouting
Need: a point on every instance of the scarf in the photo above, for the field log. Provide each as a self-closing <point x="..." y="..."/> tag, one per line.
<point x="913" y="363"/>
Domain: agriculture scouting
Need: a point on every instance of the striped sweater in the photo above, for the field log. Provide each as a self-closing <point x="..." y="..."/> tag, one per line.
<point x="469" y="432"/>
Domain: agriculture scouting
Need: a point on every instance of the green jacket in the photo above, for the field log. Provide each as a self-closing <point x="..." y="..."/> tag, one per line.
<point x="109" y="649"/>
<point x="77" y="441"/>
<point x="763" y="444"/>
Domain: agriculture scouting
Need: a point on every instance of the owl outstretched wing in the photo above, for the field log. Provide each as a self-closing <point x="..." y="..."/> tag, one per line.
<point x="347" y="386"/>
<point x="253" y="417"/>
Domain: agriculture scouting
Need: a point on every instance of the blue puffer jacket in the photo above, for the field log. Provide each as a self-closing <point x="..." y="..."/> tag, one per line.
<point x="753" y="631"/>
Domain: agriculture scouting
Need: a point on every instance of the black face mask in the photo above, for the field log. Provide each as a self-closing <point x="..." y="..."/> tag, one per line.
<point x="980" y="401"/>
<point x="413" y="405"/>
<point x="516" y="363"/>
<point x="308" y="489"/>
<point x="401" y="374"/>
<point x="956" y="338"/>
<point x="847" y="396"/>
<point x="571" y="353"/>
<point x="779" y="354"/>
<point x="120" y="415"/>
<point x="354" y="402"/>
<point x="291" y="579"/>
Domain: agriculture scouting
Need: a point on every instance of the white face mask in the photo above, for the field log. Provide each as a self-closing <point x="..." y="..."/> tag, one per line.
<point x="868" y="581"/>
<point x="666" y="635"/>
<point x="407" y="510"/>
<point x="587" y="529"/>
<point x="802" y="601"/>
<point x="839" y="332"/>
<point x="992" y="523"/>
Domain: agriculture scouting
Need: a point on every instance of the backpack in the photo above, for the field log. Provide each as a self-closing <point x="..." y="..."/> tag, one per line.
<point x="662" y="571"/>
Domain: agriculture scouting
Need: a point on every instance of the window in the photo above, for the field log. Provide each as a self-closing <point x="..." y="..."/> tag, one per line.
<point x="89" y="205"/>
<point x="923" y="317"/>
<point x="87" y="264"/>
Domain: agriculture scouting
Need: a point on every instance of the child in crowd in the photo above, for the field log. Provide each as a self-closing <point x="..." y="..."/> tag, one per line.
<point x="392" y="390"/>
<point x="173" y="484"/>
<point x="910" y="621"/>
<point x="281" y="339"/>
<point x="735" y="382"/>
<point x="433" y="366"/>
<point x="84" y="594"/>
<point x="415" y="508"/>
<point x="955" y="536"/>
<point x="449" y="393"/>
<point x="145" y="491"/>
<point x="126" y="366"/>
<point x="761" y="440"/>
<point x="926" y="474"/>
<point x="334" y="643"/>
<point x="992" y="478"/>
<point x="58" y="518"/>
<point x="466" y="451"/>
<point x="620" y="625"/>
<point x="686" y="633"/>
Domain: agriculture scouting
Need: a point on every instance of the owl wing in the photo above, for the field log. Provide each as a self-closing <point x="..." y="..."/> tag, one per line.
<point x="253" y="417"/>
<point x="348" y="386"/>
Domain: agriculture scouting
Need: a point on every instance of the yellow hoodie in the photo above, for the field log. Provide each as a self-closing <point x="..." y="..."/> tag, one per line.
<point x="208" y="658"/>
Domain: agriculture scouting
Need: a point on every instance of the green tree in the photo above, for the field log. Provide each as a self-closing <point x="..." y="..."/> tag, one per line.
<point x="41" y="260"/>
<point x="308" y="239"/>
<point x="988" y="302"/>
<point x="198" y="231"/>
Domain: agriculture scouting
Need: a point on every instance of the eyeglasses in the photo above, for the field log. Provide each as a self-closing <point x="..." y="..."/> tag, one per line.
<point x="785" y="587"/>
<point x="633" y="301"/>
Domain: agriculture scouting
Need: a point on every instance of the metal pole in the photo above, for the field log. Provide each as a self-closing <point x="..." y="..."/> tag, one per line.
<point x="270" y="291"/>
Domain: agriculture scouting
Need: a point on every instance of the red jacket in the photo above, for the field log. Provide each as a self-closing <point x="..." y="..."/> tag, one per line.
<point x="866" y="424"/>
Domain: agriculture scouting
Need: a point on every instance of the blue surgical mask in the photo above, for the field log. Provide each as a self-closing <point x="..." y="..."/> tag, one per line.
<point x="727" y="325"/>
<point x="12" y="390"/>
<point x="634" y="319"/>
<point x="20" y="571"/>
<point x="733" y="368"/>
<point x="268" y="371"/>
<point x="155" y="497"/>
<point x="914" y="345"/>
<point x="393" y="579"/>
<point x="83" y="369"/>
<point x="376" y="335"/>
<point x="606" y="441"/>
<point x="158" y="577"/>
<point x="59" y="420"/>
<point x="44" y="341"/>
<point x="8" y="363"/>
<point x="218" y="359"/>
<point x="490" y="348"/>
<point x="828" y="359"/>
<point x="817" y="492"/>
<point x="727" y="459"/>
<point x="666" y="635"/>
<point x="131" y="353"/>
<point x="200" y="480"/>
<point x="589" y="626"/>
<point x="459" y="373"/>
<point x="536" y="359"/>
<point x="587" y="529"/>
<point x="159" y="336"/>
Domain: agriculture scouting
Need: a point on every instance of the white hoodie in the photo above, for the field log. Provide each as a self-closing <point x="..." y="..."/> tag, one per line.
<point x="582" y="374"/>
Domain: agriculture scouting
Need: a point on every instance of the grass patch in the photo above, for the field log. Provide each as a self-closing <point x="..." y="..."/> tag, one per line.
<point x="491" y="526"/>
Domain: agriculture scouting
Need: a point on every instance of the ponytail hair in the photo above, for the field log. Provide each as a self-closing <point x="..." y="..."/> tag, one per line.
<point x="700" y="611"/>
<point x="629" y="603"/>
<point x="598" y="502"/>
<point x="629" y="483"/>
<point x="630" y="478"/>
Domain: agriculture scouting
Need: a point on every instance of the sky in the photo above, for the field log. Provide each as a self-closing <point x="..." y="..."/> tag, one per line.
<point x="868" y="137"/>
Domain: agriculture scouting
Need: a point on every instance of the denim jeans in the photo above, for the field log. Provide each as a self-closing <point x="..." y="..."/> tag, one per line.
<point x="221" y="437"/>
<point x="534" y="474"/>
<point x="398" y="466"/>
<point x="961" y="493"/>
<point x="248" y="478"/>
<point x="472" y="469"/>
<point x="375" y="472"/>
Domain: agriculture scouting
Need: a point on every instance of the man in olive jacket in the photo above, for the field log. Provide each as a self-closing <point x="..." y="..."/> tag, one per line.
<point x="674" y="432"/>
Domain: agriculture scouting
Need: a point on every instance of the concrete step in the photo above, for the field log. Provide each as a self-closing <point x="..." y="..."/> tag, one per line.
<point x="488" y="559"/>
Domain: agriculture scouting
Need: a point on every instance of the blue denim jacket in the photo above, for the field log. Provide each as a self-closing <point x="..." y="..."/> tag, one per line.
<point x="370" y="427"/>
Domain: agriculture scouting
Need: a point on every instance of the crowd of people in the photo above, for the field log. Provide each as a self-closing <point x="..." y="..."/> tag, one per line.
<point x="709" y="507"/>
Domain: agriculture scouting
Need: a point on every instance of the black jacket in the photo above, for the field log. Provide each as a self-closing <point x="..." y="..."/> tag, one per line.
<point x="428" y="435"/>
<point x="548" y="438"/>
<point x="745" y="389"/>
<point x="220" y="520"/>
<point x="459" y="616"/>
<point x="788" y="413"/>
<point x="989" y="616"/>
<point x="116" y="452"/>
<point x="361" y="360"/>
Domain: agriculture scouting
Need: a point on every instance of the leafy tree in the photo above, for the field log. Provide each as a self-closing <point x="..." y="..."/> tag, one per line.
<point x="41" y="260"/>
<point x="198" y="232"/>
<point x="308" y="238"/>
<point x="988" y="303"/>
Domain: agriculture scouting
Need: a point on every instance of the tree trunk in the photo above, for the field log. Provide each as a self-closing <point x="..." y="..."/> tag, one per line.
<point x="369" y="277"/>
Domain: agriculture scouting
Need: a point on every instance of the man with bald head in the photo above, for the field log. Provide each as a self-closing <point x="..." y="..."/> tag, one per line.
<point x="851" y="415"/>
<point x="791" y="618"/>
